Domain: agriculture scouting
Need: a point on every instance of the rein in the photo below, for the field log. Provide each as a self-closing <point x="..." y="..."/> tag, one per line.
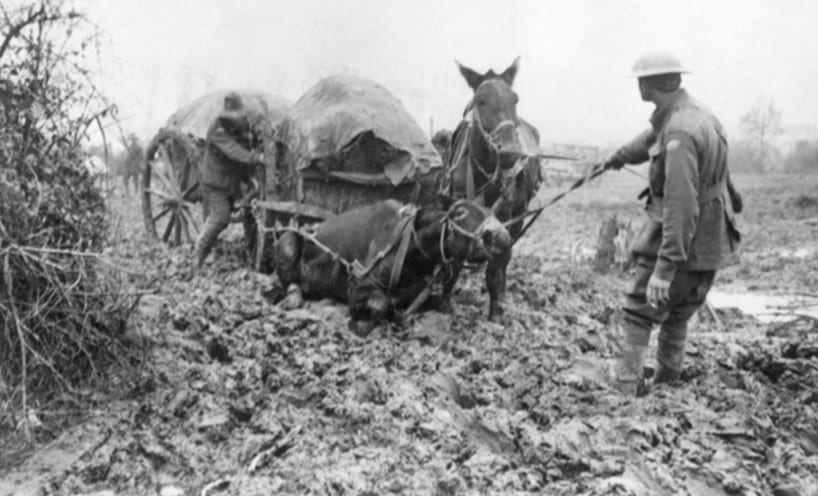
<point x="596" y="171"/>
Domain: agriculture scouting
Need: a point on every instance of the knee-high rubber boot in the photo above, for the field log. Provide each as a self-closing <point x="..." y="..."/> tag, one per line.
<point x="670" y="351"/>
<point x="629" y="369"/>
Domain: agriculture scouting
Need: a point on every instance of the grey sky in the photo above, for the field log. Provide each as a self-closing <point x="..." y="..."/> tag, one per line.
<point x="575" y="56"/>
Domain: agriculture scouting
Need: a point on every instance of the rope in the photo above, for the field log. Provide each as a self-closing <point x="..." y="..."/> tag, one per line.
<point x="596" y="171"/>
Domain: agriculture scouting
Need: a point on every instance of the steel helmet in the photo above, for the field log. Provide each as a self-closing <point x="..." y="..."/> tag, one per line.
<point x="657" y="62"/>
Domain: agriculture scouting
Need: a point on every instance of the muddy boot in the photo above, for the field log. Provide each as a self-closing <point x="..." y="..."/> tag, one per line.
<point x="629" y="369"/>
<point x="671" y="350"/>
<point x="669" y="358"/>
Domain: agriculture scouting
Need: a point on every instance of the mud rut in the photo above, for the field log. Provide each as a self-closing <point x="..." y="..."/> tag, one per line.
<point x="236" y="396"/>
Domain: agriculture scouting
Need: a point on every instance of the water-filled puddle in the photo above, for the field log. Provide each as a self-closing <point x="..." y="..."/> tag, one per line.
<point x="766" y="307"/>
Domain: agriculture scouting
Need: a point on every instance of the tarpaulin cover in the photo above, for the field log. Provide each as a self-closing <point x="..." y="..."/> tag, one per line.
<point x="341" y="112"/>
<point x="195" y="117"/>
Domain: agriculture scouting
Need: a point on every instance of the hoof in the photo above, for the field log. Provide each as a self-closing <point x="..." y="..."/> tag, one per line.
<point x="362" y="328"/>
<point x="293" y="300"/>
<point x="497" y="315"/>
<point x="441" y="305"/>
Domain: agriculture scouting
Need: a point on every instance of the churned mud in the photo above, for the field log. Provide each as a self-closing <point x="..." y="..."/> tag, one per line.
<point x="233" y="395"/>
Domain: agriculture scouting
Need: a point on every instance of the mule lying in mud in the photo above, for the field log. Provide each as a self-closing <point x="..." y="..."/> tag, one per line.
<point x="379" y="257"/>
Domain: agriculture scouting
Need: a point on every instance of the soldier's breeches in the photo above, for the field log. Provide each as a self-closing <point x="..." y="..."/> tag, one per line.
<point x="688" y="292"/>
<point x="219" y="206"/>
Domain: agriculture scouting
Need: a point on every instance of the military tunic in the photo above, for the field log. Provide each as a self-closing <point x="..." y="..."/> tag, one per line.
<point x="691" y="228"/>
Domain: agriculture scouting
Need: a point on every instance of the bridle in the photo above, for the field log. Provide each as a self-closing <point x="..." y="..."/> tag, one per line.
<point x="491" y="137"/>
<point x="451" y="228"/>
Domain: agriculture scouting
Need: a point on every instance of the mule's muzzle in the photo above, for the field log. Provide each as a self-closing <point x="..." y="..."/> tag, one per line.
<point x="493" y="237"/>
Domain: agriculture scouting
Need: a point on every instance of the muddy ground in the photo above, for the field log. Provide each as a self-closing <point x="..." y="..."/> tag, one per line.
<point x="232" y="395"/>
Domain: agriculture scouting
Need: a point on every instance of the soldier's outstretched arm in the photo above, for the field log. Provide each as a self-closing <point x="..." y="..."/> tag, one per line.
<point x="634" y="151"/>
<point x="228" y="145"/>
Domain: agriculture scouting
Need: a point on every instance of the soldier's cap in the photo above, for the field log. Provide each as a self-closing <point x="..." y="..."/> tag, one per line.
<point x="657" y="62"/>
<point x="233" y="106"/>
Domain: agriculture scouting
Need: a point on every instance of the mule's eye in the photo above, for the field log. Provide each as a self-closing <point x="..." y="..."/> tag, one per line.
<point x="460" y="214"/>
<point x="481" y="102"/>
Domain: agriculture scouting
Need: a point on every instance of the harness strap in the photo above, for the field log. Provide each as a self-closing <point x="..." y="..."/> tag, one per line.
<point x="400" y="256"/>
<point x="403" y="225"/>
<point x="469" y="179"/>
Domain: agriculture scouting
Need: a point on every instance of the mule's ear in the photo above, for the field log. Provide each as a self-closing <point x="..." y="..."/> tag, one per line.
<point x="445" y="201"/>
<point x="473" y="79"/>
<point x="509" y="74"/>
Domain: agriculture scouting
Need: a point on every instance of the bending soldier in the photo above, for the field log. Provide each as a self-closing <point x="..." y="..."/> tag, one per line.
<point x="231" y="158"/>
<point x="690" y="232"/>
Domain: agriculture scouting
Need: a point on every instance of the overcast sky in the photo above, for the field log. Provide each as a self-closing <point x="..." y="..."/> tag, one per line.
<point x="575" y="55"/>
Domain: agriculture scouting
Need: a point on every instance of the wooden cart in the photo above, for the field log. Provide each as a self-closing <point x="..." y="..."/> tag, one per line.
<point x="345" y="143"/>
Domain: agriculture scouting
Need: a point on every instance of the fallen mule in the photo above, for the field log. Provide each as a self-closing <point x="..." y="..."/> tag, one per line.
<point x="378" y="258"/>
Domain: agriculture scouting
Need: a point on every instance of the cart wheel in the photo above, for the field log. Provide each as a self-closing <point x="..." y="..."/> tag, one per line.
<point x="167" y="209"/>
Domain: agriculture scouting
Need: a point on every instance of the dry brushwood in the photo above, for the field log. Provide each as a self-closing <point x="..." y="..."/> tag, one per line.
<point x="62" y="311"/>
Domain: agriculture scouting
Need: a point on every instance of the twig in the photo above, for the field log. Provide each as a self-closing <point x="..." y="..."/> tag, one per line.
<point x="712" y="311"/>
<point x="218" y="485"/>
<point x="23" y="359"/>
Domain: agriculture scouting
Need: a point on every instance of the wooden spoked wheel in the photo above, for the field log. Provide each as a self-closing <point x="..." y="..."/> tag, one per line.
<point x="169" y="210"/>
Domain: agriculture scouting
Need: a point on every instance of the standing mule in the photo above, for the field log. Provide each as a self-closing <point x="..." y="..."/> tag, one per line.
<point x="494" y="158"/>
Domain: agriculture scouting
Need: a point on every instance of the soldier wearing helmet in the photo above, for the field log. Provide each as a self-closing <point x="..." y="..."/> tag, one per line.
<point x="690" y="231"/>
<point x="233" y="151"/>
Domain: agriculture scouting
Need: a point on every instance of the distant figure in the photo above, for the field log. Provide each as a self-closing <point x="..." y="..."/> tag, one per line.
<point x="97" y="169"/>
<point x="690" y="232"/>
<point x="131" y="167"/>
<point x="232" y="154"/>
<point x="442" y="140"/>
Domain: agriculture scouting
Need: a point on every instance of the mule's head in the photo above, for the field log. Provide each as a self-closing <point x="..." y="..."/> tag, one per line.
<point x="472" y="231"/>
<point x="494" y="105"/>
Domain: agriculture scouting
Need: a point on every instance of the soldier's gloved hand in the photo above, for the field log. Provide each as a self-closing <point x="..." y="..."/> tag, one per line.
<point x="613" y="162"/>
<point x="260" y="158"/>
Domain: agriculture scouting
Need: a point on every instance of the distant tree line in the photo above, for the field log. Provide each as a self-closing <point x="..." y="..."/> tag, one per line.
<point x="756" y="151"/>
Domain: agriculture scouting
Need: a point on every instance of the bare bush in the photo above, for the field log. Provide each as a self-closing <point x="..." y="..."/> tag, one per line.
<point x="760" y="125"/>
<point x="61" y="309"/>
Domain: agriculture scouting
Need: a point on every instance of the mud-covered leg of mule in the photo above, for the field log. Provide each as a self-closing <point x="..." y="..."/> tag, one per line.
<point x="368" y="307"/>
<point x="443" y="303"/>
<point x="219" y="205"/>
<point x="496" y="284"/>
<point x="287" y="253"/>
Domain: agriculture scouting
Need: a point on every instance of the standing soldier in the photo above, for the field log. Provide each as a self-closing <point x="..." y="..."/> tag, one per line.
<point x="690" y="231"/>
<point x="232" y="154"/>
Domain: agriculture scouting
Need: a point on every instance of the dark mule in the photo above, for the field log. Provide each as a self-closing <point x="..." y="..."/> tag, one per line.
<point x="390" y="249"/>
<point x="494" y="158"/>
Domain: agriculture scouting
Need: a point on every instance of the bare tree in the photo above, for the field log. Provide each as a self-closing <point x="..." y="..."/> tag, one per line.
<point x="760" y="125"/>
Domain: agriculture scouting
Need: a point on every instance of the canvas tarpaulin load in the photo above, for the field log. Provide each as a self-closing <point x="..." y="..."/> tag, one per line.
<point x="355" y="129"/>
<point x="196" y="117"/>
